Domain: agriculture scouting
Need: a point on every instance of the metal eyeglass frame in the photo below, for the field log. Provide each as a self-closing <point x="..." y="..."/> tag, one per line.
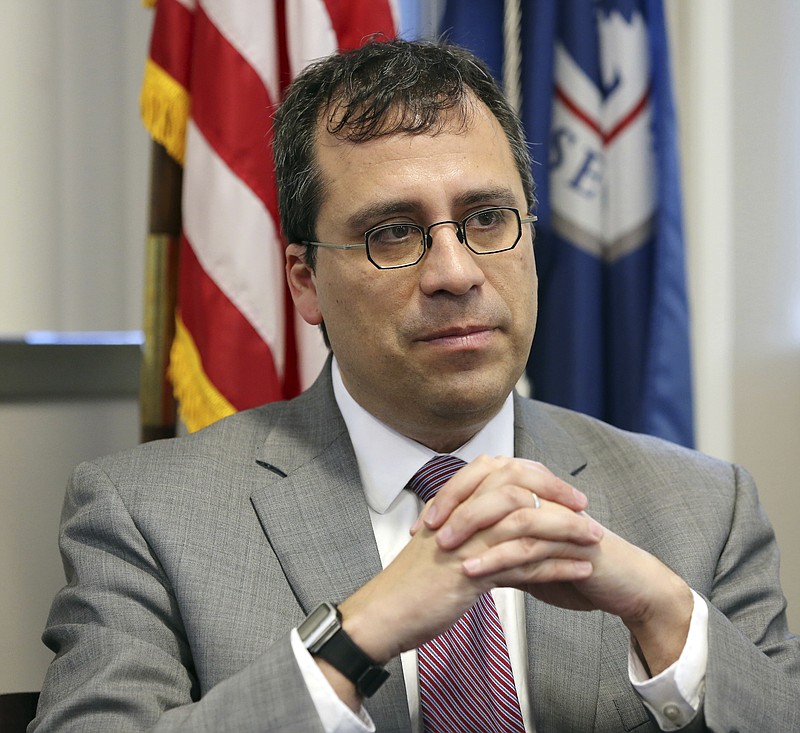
<point x="427" y="240"/>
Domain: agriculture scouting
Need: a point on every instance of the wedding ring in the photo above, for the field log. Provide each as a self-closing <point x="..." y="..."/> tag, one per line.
<point x="536" y="501"/>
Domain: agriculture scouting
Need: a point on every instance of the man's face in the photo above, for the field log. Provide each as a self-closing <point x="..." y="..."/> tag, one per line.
<point x="432" y="350"/>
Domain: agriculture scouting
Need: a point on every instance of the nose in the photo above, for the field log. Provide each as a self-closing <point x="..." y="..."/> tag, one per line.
<point x="449" y="266"/>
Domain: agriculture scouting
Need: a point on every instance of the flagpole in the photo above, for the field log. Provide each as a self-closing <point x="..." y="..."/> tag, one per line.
<point x="512" y="53"/>
<point x="157" y="412"/>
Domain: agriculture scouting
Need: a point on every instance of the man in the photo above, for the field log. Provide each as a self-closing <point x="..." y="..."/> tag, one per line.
<point x="609" y="581"/>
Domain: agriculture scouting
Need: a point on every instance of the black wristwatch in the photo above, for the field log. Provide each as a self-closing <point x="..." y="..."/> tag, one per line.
<point x="322" y="634"/>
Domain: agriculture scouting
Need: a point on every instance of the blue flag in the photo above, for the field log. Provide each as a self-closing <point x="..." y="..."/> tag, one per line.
<point x="612" y="338"/>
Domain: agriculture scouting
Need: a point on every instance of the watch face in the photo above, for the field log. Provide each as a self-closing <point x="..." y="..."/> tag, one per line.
<point x="322" y="634"/>
<point x="319" y="626"/>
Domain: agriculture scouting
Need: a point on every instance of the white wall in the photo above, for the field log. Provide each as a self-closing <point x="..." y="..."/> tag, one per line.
<point x="72" y="204"/>
<point x="738" y="96"/>
<point x="75" y="163"/>
<point x="766" y="256"/>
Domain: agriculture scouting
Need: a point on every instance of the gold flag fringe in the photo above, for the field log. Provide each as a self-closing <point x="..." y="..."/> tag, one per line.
<point x="149" y="3"/>
<point x="164" y="106"/>
<point x="199" y="402"/>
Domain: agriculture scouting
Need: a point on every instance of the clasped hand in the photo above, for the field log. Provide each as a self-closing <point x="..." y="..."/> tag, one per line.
<point x="483" y="530"/>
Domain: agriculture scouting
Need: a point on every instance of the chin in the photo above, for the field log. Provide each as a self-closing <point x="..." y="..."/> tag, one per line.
<point x="465" y="397"/>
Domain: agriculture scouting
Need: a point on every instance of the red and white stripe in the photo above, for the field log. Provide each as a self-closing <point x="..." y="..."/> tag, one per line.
<point x="234" y="58"/>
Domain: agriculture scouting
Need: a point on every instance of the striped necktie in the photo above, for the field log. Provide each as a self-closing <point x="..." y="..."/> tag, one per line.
<point x="465" y="680"/>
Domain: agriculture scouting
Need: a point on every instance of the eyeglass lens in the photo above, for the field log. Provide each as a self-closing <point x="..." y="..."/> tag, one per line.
<point x="486" y="231"/>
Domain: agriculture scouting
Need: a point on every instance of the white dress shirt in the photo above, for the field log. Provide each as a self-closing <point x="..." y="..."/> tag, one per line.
<point x="387" y="461"/>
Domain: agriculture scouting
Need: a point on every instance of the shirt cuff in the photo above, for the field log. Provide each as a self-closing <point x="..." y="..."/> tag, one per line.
<point x="676" y="695"/>
<point x="336" y="717"/>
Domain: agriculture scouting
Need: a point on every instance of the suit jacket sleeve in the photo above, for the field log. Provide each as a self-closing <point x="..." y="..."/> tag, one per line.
<point x="123" y="662"/>
<point x="753" y="673"/>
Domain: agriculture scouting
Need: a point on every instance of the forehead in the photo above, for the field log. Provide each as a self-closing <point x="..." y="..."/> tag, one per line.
<point x="465" y="153"/>
<point x="360" y="120"/>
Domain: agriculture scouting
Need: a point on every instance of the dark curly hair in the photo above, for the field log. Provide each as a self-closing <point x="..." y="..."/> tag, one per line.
<point x="382" y="88"/>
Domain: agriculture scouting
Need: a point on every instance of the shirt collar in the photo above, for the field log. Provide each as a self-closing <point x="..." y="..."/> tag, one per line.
<point x="387" y="459"/>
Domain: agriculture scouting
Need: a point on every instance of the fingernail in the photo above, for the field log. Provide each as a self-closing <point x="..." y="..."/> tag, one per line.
<point x="596" y="529"/>
<point x="430" y="515"/>
<point x="472" y="564"/>
<point x="580" y="497"/>
<point x="584" y="567"/>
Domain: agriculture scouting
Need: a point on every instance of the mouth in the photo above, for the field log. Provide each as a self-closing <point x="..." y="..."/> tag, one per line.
<point x="470" y="337"/>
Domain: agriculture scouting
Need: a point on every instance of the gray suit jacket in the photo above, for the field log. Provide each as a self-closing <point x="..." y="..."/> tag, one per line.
<point x="189" y="561"/>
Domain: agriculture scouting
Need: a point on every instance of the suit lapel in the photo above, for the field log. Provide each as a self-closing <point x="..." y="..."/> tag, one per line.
<point x="317" y="520"/>
<point x="564" y="647"/>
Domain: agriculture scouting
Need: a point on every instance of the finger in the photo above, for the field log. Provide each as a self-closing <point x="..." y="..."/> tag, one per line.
<point x="485" y="473"/>
<point x="459" y="488"/>
<point x="549" y="570"/>
<point x="511" y="512"/>
<point x="561" y="491"/>
<point x="495" y="499"/>
<point x="522" y="555"/>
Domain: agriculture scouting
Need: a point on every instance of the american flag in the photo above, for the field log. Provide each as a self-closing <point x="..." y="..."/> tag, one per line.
<point x="215" y="72"/>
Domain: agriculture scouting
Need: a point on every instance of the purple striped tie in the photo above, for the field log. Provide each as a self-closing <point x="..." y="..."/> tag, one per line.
<point x="465" y="680"/>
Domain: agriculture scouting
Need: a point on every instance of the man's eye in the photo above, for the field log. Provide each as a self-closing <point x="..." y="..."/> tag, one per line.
<point x="394" y="234"/>
<point x="487" y="218"/>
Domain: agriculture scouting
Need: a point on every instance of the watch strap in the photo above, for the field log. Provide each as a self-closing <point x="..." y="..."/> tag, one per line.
<point x="342" y="653"/>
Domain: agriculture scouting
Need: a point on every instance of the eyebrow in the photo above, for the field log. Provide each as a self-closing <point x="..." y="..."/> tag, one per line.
<point x="364" y="218"/>
<point x="494" y="196"/>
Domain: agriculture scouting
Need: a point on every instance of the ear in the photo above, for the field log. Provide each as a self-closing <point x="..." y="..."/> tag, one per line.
<point x="302" y="284"/>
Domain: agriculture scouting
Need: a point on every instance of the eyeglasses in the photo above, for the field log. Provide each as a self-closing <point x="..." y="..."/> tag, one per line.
<point x="403" y="244"/>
